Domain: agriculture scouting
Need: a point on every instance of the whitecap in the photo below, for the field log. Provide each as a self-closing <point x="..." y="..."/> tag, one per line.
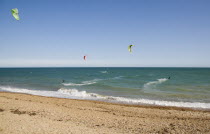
<point x="154" y="83"/>
<point x="104" y="72"/>
<point x="82" y="83"/>
<point x="76" y="94"/>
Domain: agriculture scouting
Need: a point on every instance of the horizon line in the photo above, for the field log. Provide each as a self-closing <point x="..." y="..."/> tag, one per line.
<point x="107" y="67"/>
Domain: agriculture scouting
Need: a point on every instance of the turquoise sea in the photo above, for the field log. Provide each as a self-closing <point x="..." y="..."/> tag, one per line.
<point x="187" y="87"/>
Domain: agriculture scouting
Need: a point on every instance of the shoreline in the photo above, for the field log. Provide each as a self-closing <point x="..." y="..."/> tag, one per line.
<point x="25" y="113"/>
<point x="124" y="104"/>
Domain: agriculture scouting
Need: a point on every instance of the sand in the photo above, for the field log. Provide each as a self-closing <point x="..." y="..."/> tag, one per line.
<point x="24" y="114"/>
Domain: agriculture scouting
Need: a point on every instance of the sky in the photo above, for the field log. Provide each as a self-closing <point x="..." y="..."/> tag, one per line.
<point x="58" y="33"/>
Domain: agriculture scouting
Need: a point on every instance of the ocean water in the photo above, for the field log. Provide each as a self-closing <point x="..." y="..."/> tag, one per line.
<point x="187" y="87"/>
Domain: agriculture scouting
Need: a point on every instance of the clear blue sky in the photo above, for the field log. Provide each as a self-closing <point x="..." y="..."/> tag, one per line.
<point x="166" y="33"/>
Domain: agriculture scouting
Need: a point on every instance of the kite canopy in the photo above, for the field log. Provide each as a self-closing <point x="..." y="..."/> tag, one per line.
<point x="129" y="48"/>
<point x="15" y="13"/>
<point x="84" y="57"/>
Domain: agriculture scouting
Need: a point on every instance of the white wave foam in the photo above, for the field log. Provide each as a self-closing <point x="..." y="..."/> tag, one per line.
<point x="81" y="94"/>
<point x="154" y="83"/>
<point x="75" y="84"/>
<point x="75" y="94"/>
<point x="81" y="84"/>
<point x="33" y="92"/>
<point x="89" y="82"/>
<point x="165" y="103"/>
<point x="117" y="77"/>
<point x="104" y="72"/>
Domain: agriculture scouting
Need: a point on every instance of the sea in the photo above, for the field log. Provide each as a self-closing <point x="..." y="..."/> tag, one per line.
<point x="177" y="87"/>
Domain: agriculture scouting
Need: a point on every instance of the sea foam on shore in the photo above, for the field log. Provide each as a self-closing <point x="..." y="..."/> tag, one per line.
<point x="75" y="94"/>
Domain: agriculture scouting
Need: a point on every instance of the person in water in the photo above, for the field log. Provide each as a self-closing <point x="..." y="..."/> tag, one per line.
<point x="63" y="81"/>
<point x="169" y="77"/>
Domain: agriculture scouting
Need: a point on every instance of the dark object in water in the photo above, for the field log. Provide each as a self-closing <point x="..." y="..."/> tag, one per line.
<point x="63" y="81"/>
<point x="169" y="77"/>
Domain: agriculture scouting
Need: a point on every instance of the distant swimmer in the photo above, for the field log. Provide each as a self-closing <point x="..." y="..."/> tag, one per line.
<point x="63" y="81"/>
<point x="169" y="77"/>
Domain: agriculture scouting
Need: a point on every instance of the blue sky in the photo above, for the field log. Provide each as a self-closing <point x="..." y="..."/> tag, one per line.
<point x="58" y="33"/>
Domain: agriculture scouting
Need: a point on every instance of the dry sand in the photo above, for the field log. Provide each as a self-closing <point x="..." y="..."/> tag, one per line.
<point x="26" y="114"/>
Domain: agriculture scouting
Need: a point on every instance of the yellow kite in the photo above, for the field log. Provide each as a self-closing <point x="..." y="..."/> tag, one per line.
<point x="129" y="48"/>
<point x="15" y="13"/>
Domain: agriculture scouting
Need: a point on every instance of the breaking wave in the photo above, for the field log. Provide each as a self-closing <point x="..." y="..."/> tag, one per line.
<point x="103" y="72"/>
<point x="117" y="77"/>
<point x="82" y="84"/>
<point x="90" y="82"/>
<point x="154" y="83"/>
<point x="76" y="94"/>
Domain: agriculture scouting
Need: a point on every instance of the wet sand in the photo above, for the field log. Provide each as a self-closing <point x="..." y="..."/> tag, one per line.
<point x="23" y="113"/>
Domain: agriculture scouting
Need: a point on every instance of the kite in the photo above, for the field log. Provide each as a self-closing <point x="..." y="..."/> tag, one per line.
<point x="15" y="13"/>
<point x="129" y="48"/>
<point x="84" y="57"/>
